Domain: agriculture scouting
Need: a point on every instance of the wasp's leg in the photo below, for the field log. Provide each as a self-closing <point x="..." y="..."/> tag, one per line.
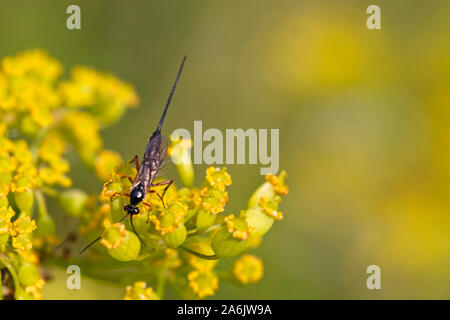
<point x="148" y="205"/>
<point x="117" y="194"/>
<point x="159" y="196"/>
<point x="128" y="177"/>
<point x="167" y="182"/>
<point x="136" y="162"/>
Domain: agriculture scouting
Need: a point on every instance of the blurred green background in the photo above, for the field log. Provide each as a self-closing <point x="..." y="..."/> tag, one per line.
<point x="363" y="118"/>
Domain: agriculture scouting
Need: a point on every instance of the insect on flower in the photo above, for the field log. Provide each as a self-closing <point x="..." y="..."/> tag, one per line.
<point x="154" y="156"/>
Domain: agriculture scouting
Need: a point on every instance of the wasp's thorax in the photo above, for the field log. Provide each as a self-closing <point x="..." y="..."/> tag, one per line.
<point x="137" y="194"/>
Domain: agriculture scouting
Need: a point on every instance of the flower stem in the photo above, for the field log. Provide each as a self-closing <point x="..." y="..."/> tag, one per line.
<point x="161" y="283"/>
<point x="5" y="261"/>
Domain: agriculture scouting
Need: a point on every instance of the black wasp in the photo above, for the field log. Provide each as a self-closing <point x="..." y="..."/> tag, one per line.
<point x="154" y="156"/>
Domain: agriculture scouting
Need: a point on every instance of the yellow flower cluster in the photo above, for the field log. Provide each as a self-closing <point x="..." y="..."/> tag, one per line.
<point x="27" y="92"/>
<point x="19" y="230"/>
<point x="140" y="291"/>
<point x="213" y="196"/>
<point x="277" y="183"/>
<point x="248" y="269"/>
<point x="17" y="172"/>
<point x="202" y="280"/>
<point x="238" y="228"/>
<point x="42" y="118"/>
<point x="113" y="235"/>
<point x="190" y="220"/>
<point x="103" y="94"/>
<point x="169" y="219"/>
<point x="270" y="207"/>
<point x="53" y="166"/>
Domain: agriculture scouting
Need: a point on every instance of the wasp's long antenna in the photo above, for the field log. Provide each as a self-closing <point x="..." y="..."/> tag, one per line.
<point x="89" y="245"/>
<point x="171" y="95"/>
<point x="98" y="238"/>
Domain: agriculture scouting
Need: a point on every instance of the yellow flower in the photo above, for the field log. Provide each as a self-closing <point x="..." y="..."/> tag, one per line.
<point x="83" y="131"/>
<point x="270" y="207"/>
<point x="35" y="63"/>
<point x="103" y="95"/>
<point x="278" y="182"/>
<point x="140" y="291"/>
<point x="203" y="282"/>
<point x="35" y="289"/>
<point x="114" y="235"/>
<point x="170" y="218"/>
<point x="213" y="200"/>
<point x="218" y="178"/>
<point x="52" y="146"/>
<point x="248" y="269"/>
<point x="238" y="227"/>
<point x="21" y="242"/>
<point x="23" y="225"/>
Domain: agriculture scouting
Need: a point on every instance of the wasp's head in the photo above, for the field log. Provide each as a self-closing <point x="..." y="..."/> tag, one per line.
<point x="130" y="209"/>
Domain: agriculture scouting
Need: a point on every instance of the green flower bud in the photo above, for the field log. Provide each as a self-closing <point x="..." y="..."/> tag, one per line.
<point x="45" y="226"/>
<point x="28" y="274"/>
<point x="140" y="222"/>
<point x="261" y="217"/>
<point x="265" y="190"/>
<point x="45" y="223"/>
<point x="24" y="200"/>
<point x="175" y="238"/>
<point x="204" y="220"/>
<point x="73" y="201"/>
<point x="274" y="186"/>
<point x="191" y="214"/>
<point x="179" y="151"/>
<point x="227" y="246"/>
<point x="186" y="173"/>
<point x="122" y="244"/>
<point x="258" y="220"/>
<point x="116" y="209"/>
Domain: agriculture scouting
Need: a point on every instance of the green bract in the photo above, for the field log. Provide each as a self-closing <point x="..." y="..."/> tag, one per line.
<point x="72" y="201"/>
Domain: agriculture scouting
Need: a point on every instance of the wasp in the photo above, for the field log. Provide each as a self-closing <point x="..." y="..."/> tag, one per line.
<point x="154" y="156"/>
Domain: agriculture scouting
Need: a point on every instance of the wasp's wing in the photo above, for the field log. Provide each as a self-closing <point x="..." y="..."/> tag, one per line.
<point x="164" y="158"/>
